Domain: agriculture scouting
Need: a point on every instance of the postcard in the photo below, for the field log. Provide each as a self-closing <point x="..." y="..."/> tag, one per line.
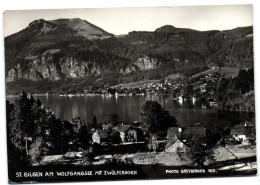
<point x="130" y="93"/>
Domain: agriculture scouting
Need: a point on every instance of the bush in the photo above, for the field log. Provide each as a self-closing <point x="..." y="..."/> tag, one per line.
<point x="119" y="162"/>
<point x="36" y="150"/>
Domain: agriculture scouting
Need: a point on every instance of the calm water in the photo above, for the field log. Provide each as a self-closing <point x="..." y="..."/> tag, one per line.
<point x="129" y="107"/>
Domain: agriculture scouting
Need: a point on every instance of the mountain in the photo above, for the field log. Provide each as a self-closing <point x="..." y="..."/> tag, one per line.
<point x="65" y="49"/>
<point x="83" y="28"/>
<point x="63" y="27"/>
<point x="171" y="29"/>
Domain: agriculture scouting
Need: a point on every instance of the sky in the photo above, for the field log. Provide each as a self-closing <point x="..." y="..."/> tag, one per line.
<point x="123" y="20"/>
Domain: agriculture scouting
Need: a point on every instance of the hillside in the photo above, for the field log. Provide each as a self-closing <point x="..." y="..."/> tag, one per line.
<point x="66" y="49"/>
<point x="228" y="72"/>
<point x="83" y="28"/>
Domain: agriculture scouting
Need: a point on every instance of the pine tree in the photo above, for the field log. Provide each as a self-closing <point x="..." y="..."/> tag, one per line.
<point x="95" y="125"/>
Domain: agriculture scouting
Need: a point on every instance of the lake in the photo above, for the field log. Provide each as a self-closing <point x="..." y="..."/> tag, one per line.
<point x="128" y="109"/>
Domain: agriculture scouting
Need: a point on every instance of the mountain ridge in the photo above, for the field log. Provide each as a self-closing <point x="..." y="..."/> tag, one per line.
<point x="69" y="24"/>
<point x="74" y="48"/>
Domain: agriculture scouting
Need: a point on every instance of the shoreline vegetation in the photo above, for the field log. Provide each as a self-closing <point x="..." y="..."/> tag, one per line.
<point x="36" y="135"/>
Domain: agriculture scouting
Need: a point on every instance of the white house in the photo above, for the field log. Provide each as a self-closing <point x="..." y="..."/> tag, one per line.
<point x="99" y="136"/>
<point x="96" y="137"/>
<point x="238" y="133"/>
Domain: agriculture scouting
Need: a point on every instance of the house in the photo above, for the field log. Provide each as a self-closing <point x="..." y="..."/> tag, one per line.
<point x="122" y="130"/>
<point x="203" y="88"/>
<point x="194" y="131"/>
<point x="99" y="136"/>
<point x="238" y="133"/>
<point x="176" y="145"/>
<point x="174" y="131"/>
<point x="129" y="133"/>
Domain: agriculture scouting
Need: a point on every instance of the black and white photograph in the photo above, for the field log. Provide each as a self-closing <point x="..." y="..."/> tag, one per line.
<point x="130" y="93"/>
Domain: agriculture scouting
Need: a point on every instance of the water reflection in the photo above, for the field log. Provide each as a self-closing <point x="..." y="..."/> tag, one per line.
<point x="129" y="108"/>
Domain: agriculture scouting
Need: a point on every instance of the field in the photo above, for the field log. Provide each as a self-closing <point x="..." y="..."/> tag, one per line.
<point x="136" y="84"/>
<point x="173" y="76"/>
<point x="221" y="154"/>
<point x="142" y="83"/>
<point x="227" y="71"/>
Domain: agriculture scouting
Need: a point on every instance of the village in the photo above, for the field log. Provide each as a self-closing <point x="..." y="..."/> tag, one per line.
<point x="179" y="87"/>
<point x="128" y="142"/>
<point x="132" y="134"/>
<point x="199" y="86"/>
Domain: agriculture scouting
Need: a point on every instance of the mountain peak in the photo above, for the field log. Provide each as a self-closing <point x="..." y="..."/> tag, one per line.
<point x="42" y="25"/>
<point x="37" y="22"/>
<point x="83" y="28"/>
<point x="172" y="29"/>
<point x="166" y="28"/>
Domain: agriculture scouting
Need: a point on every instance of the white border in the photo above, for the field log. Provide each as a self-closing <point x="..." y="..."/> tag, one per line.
<point x="59" y="4"/>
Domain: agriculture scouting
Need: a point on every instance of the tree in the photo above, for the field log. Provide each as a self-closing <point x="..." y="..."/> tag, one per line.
<point x="214" y="134"/>
<point x="251" y="131"/>
<point x="112" y="119"/>
<point x="222" y="85"/>
<point x="9" y="112"/>
<point x="67" y="134"/>
<point x="111" y="91"/>
<point x="80" y="132"/>
<point x="26" y="122"/>
<point x="38" y="102"/>
<point x="21" y="124"/>
<point x="34" y="130"/>
<point x="115" y="137"/>
<point x="36" y="150"/>
<point x="94" y="123"/>
<point x="84" y="137"/>
<point x="118" y="162"/>
<point x="244" y="82"/>
<point x="16" y="156"/>
<point x="187" y="90"/>
<point x="77" y="123"/>
<point x="200" y="152"/>
<point x="53" y="133"/>
<point x="155" y="119"/>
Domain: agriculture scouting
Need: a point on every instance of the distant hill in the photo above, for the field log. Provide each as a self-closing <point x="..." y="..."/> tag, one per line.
<point x="171" y="29"/>
<point x="65" y="49"/>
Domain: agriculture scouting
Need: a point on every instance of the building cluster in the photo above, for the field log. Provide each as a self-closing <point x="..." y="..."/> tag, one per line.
<point x="175" y="141"/>
<point x="182" y="88"/>
<point x="133" y="134"/>
<point x="120" y="134"/>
